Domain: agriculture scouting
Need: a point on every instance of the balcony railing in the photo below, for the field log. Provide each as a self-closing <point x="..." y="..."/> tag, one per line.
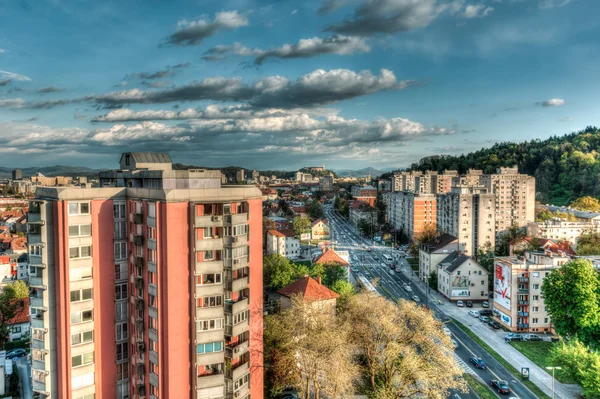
<point x="138" y="240"/>
<point x="238" y="218"/>
<point x="526" y="302"/>
<point x="523" y="290"/>
<point x="523" y="279"/>
<point x="520" y="325"/>
<point x="209" y="221"/>
<point x="523" y="314"/>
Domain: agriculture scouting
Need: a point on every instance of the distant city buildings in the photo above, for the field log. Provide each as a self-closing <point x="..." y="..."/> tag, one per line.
<point x="366" y="194"/>
<point x="55" y="181"/>
<point x="17" y="174"/>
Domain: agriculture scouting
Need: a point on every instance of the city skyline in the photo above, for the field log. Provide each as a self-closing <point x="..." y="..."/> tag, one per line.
<point x="283" y="85"/>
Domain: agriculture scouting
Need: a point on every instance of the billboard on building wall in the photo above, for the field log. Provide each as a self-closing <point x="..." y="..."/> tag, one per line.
<point x="502" y="284"/>
<point x="506" y="319"/>
<point x="459" y="292"/>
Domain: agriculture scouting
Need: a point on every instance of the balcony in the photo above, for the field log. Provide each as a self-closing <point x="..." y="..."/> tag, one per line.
<point x="210" y="380"/>
<point x="209" y="336"/>
<point x="213" y="266"/>
<point x="523" y="314"/>
<point x="523" y="279"/>
<point x="240" y="328"/>
<point x="239" y="370"/>
<point x="37" y="303"/>
<point x="523" y="290"/>
<point x="34" y="238"/>
<point x="208" y="290"/>
<point x="209" y="244"/>
<point x="209" y="221"/>
<point x="40" y="387"/>
<point x="210" y="358"/>
<point x="239" y="284"/>
<point x="138" y="218"/>
<point x="138" y="240"/>
<point x="37" y="282"/>
<point x="209" y="313"/>
<point x="238" y="349"/>
<point x="236" y="241"/>
<point x="520" y="325"/>
<point x="36" y="261"/>
<point x="239" y="218"/>
<point x="237" y="263"/>
<point x="242" y="391"/>
<point x="38" y="365"/>
<point x="38" y="320"/>
<point x="34" y="218"/>
<point x="139" y="261"/>
<point x="523" y="302"/>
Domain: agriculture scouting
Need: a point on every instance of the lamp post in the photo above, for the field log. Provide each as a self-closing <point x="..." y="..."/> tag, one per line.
<point x="553" y="368"/>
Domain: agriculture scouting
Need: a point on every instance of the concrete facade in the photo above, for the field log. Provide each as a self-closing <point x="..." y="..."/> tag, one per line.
<point x="561" y="230"/>
<point x="283" y="244"/>
<point x="433" y="252"/>
<point x="411" y="213"/>
<point x="461" y="278"/>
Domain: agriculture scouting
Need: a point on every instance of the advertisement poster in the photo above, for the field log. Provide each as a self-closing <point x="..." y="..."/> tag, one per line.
<point x="506" y="319"/>
<point x="456" y="292"/>
<point x="502" y="284"/>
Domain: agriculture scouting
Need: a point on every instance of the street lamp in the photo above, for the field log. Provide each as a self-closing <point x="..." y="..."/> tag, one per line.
<point x="553" y="368"/>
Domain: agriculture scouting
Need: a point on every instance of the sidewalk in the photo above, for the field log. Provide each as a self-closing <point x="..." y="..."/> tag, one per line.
<point x="495" y="339"/>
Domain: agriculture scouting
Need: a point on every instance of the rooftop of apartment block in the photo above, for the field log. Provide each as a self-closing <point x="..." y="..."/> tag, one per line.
<point x="577" y="213"/>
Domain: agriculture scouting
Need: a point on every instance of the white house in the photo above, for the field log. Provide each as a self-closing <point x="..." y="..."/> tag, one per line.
<point x="284" y="243"/>
<point x="461" y="278"/>
<point x="433" y="252"/>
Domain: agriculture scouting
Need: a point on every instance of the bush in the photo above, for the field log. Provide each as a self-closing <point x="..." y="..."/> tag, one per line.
<point x="18" y="343"/>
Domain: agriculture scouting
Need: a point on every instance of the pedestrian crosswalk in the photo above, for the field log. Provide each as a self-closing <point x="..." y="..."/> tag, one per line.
<point x="466" y="368"/>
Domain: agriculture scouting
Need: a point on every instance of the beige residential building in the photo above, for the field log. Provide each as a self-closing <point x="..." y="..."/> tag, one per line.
<point x="433" y="252"/>
<point x="468" y="213"/>
<point x="283" y="243"/>
<point x="515" y="197"/>
<point x="396" y="182"/>
<point x="461" y="278"/>
<point x="471" y="178"/>
<point x="411" y="213"/>
<point x="442" y="182"/>
<point x="518" y="300"/>
<point x="561" y="230"/>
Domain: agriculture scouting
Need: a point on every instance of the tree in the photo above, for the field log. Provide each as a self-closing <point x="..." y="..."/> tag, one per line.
<point x="433" y="280"/>
<point x="334" y="273"/>
<point x="589" y="244"/>
<point x="268" y="224"/>
<point x="403" y="348"/>
<point x="586" y="203"/>
<point x="485" y="257"/>
<point x="10" y="305"/>
<point x="9" y="207"/>
<point x="318" y="194"/>
<point x="572" y="298"/>
<point x="344" y="288"/>
<point x="581" y="364"/>
<point x="381" y="208"/>
<point x="317" y="270"/>
<point x="367" y="227"/>
<point x="311" y="350"/>
<point x="315" y="210"/>
<point x="278" y="271"/>
<point x="514" y="232"/>
<point x="18" y="289"/>
<point x="301" y="225"/>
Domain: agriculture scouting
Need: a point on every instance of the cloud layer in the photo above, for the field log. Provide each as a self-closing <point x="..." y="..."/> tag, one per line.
<point x="192" y="33"/>
<point x="552" y="102"/>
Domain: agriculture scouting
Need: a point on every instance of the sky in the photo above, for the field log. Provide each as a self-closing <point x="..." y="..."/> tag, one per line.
<point x="285" y="84"/>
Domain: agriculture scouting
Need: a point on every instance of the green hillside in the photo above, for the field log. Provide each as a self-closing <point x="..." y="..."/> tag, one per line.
<point x="565" y="167"/>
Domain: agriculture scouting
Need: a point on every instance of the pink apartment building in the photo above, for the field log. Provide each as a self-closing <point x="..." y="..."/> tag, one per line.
<point x="149" y="286"/>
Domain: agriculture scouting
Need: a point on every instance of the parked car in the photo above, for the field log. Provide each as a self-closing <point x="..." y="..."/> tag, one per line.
<point x="454" y="343"/>
<point x="484" y="319"/>
<point x="485" y="304"/>
<point x="460" y="304"/>
<point x="500" y="386"/>
<point x="446" y="331"/>
<point x="415" y="298"/>
<point x="494" y="324"/>
<point x="485" y="312"/>
<point x="513" y="337"/>
<point x="469" y="304"/>
<point x="473" y="313"/>
<point x="354" y="269"/>
<point x="478" y="362"/>
<point x="532" y="337"/>
<point x="16" y="353"/>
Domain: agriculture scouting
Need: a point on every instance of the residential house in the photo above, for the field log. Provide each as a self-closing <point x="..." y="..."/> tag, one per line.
<point x="312" y="292"/>
<point x="320" y="230"/>
<point x="517" y="247"/>
<point x="299" y="211"/>
<point x="14" y="245"/>
<point x="21" y="323"/>
<point x="329" y="256"/>
<point x="461" y="278"/>
<point x="284" y="243"/>
<point x="581" y="216"/>
<point x="431" y="253"/>
<point x="557" y="229"/>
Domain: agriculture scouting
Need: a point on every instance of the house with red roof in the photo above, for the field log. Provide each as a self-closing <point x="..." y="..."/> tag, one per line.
<point x="331" y="258"/>
<point x="284" y="243"/>
<point x="21" y="323"/>
<point x="320" y="230"/>
<point x="518" y="246"/>
<point x="312" y="292"/>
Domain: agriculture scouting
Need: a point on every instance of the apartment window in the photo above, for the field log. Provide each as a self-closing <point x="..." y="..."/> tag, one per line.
<point x="35" y="250"/>
<point x="212" y="278"/>
<point x="80" y="273"/>
<point x="82" y="317"/>
<point x="121" y="271"/>
<point x="151" y="300"/>
<point x="535" y="309"/>
<point x="39" y="376"/>
<point x="482" y="282"/>
<point x="241" y="382"/>
<point x="545" y="320"/>
<point x="207" y="232"/>
<point x="152" y="323"/>
<point x="122" y="351"/>
<point x="151" y="255"/>
<point x="535" y="274"/>
<point x="122" y="371"/>
<point x="209" y="301"/>
<point x="122" y="390"/>
<point x="151" y="278"/>
<point x="151" y="209"/>
<point x="209" y="255"/>
<point x="207" y="325"/>
<point x="82" y="338"/>
<point x="209" y="347"/>
<point x="82" y="360"/>
<point x="153" y="390"/>
<point x="82" y="380"/>
<point x="37" y="334"/>
<point x="151" y="233"/>
<point x="80" y="252"/>
<point x="152" y="345"/>
<point x="238" y="318"/>
<point x="38" y="355"/>
<point x="80" y="230"/>
<point x="79" y="208"/>
<point x="119" y="210"/>
<point x="120" y="291"/>
<point x="536" y="297"/>
<point x="120" y="311"/>
<point x="81" y="295"/>
<point x="121" y="331"/>
<point x="120" y="250"/>
<point x="15" y="330"/>
<point x="458" y="273"/>
<point x="153" y="368"/>
<point x="120" y="230"/>
<point x="534" y="320"/>
<point x="536" y="286"/>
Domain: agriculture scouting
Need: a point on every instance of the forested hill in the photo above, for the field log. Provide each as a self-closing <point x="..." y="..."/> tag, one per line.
<point x="565" y="167"/>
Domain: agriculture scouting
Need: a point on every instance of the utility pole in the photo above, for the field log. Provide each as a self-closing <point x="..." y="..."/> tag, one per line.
<point x="553" y="368"/>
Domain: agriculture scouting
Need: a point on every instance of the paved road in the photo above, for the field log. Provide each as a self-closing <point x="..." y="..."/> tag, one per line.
<point x="370" y="264"/>
<point x="24" y="377"/>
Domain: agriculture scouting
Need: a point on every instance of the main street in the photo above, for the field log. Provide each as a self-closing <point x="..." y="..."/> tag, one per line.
<point x="392" y="282"/>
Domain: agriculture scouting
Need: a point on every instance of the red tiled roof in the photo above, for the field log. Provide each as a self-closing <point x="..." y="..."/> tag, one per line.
<point x="542" y="241"/>
<point x="299" y="209"/>
<point x="330" y="256"/>
<point x="310" y="290"/>
<point x="22" y="314"/>
<point x="282" y="233"/>
<point x="317" y="221"/>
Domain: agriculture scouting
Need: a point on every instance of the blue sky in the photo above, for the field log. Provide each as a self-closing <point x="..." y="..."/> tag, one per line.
<point x="279" y="85"/>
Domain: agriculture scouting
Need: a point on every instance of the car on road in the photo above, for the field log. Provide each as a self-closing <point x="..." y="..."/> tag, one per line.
<point x="354" y="269"/>
<point x="460" y="304"/>
<point x="494" y="324"/>
<point x="398" y="270"/>
<point x="415" y="298"/>
<point x="484" y="319"/>
<point x="469" y="304"/>
<point x="454" y="343"/>
<point x="513" y="337"/>
<point x="16" y="353"/>
<point x="485" y="304"/>
<point x="478" y="362"/>
<point x="368" y="249"/>
<point x="446" y="331"/>
<point x="375" y="257"/>
<point x="532" y="337"/>
<point x="485" y="312"/>
<point x="500" y="386"/>
<point x="473" y="313"/>
<point x="407" y="288"/>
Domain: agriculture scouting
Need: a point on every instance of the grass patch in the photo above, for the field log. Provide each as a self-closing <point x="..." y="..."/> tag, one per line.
<point x="480" y="388"/>
<point x="516" y="373"/>
<point x="539" y="353"/>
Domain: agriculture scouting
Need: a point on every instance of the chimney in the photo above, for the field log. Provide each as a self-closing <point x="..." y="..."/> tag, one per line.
<point x="319" y="280"/>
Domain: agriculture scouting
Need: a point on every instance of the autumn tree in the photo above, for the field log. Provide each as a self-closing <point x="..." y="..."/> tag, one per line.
<point x="589" y="243"/>
<point x="586" y="203"/>
<point x="403" y="349"/>
<point x="572" y="297"/>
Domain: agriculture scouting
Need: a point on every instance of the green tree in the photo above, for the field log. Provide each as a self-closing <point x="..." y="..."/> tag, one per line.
<point x="581" y="364"/>
<point x="18" y="289"/>
<point x="344" y="288"/>
<point x="301" y="225"/>
<point x="586" y="203"/>
<point x="544" y="215"/>
<point x="315" y="210"/>
<point x="9" y="207"/>
<point x="433" y="280"/>
<point x="278" y="271"/>
<point x="345" y="210"/>
<point x="317" y="270"/>
<point x="381" y="209"/>
<point x="514" y="232"/>
<point x="334" y="273"/>
<point x="572" y="297"/>
<point x="589" y="244"/>
<point x="10" y="305"/>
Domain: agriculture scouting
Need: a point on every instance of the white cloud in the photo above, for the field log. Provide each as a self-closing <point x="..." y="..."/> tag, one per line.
<point x="13" y="76"/>
<point x="553" y="3"/>
<point x="476" y="11"/>
<point x="12" y="103"/>
<point x="552" y="102"/>
<point x="191" y="33"/>
<point x="2" y="51"/>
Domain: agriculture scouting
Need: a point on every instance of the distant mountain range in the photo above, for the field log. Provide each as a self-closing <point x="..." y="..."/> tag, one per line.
<point x="362" y="172"/>
<point x="56" y="170"/>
